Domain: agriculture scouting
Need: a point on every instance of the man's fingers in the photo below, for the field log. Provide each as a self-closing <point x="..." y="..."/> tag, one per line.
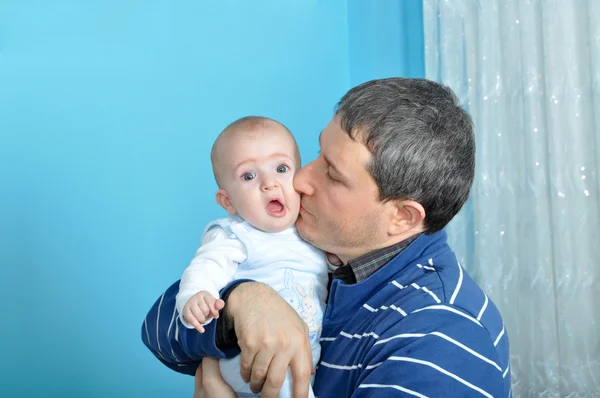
<point x="310" y="355"/>
<point x="246" y="361"/>
<point x="275" y="378"/>
<point x="260" y="367"/>
<point x="270" y="333"/>
<point x="301" y="370"/>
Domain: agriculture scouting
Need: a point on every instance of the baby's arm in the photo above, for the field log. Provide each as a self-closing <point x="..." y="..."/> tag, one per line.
<point x="212" y="268"/>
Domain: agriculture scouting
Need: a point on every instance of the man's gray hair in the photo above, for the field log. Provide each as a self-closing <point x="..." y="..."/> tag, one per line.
<point x="421" y="140"/>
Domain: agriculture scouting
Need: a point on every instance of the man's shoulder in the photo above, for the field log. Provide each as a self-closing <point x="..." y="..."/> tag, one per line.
<point x="438" y="292"/>
<point x="425" y="321"/>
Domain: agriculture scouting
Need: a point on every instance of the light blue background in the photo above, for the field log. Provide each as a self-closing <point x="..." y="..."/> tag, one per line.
<point x="108" y="110"/>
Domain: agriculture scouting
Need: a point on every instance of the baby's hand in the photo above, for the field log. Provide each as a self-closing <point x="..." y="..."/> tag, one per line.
<point x="200" y="308"/>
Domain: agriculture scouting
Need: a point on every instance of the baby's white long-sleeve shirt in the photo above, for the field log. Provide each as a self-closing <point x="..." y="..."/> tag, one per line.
<point x="212" y="268"/>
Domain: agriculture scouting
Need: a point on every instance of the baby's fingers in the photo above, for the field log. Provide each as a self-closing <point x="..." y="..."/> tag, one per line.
<point x="193" y="319"/>
<point x="198" y="313"/>
<point x="211" y="305"/>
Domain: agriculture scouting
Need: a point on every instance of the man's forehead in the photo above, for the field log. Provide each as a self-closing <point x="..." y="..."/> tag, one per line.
<point x="340" y="149"/>
<point x="333" y="139"/>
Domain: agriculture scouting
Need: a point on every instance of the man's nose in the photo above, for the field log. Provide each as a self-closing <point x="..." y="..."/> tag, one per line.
<point x="302" y="180"/>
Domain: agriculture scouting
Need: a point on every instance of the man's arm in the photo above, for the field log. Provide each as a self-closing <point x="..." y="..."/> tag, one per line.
<point x="176" y="346"/>
<point x="271" y="336"/>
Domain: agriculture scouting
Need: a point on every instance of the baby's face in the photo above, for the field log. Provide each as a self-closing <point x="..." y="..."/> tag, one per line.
<point x="257" y="173"/>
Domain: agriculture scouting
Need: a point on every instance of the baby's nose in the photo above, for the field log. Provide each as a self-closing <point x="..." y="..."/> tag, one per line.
<point x="269" y="185"/>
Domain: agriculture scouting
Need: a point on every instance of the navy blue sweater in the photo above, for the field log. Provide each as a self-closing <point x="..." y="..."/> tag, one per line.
<point x="419" y="326"/>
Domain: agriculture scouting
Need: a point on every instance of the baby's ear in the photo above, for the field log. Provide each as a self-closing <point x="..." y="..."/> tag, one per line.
<point x="223" y="200"/>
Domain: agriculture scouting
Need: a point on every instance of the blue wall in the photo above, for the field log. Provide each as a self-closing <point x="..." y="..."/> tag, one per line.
<point x="107" y="114"/>
<point x="385" y="39"/>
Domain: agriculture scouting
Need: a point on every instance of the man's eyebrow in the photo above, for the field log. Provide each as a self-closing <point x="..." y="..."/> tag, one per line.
<point x="327" y="160"/>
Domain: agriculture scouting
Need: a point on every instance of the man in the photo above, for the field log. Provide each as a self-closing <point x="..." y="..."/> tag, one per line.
<point x="403" y="317"/>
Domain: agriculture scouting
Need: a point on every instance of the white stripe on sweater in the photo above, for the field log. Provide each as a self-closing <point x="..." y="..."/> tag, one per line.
<point x="327" y="338"/>
<point x="169" y="332"/>
<point x="427" y="267"/>
<point x="351" y="336"/>
<point x="446" y="308"/>
<point x="400" y="310"/>
<point x="158" y="321"/>
<point x="358" y="336"/>
<point x="398" y="285"/>
<point x="400" y="336"/>
<point x="445" y="337"/>
<point x="394" y="386"/>
<point x="340" y="367"/>
<point x="499" y="336"/>
<point x="444" y="371"/>
<point x="148" y="337"/>
<point x="506" y="371"/>
<point x="458" y="285"/>
<point x="384" y="307"/>
<point x="485" y="304"/>
<point x="437" y="300"/>
<point x="348" y="367"/>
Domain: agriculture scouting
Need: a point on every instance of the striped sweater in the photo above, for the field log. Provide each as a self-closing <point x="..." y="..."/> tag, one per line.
<point x="419" y="326"/>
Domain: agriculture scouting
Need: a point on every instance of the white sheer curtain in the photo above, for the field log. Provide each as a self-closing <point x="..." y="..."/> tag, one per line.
<point x="528" y="71"/>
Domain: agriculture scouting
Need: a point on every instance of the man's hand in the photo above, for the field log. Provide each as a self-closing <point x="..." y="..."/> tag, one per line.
<point x="201" y="307"/>
<point x="272" y="337"/>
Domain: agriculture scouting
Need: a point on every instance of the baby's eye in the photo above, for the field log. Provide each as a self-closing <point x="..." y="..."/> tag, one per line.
<point x="248" y="176"/>
<point x="282" y="168"/>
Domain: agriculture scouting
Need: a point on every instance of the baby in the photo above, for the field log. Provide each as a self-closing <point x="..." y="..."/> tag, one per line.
<point x="254" y="161"/>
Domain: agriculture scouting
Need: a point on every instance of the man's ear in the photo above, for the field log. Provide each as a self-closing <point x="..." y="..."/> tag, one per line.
<point x="223" y="200"/>
<point x="406" y="215"/>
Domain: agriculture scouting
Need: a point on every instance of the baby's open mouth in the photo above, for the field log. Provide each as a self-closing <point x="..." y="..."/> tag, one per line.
<point x="275" y="208"/>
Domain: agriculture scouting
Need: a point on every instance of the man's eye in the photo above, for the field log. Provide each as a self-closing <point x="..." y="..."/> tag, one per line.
<point x="282" y="168"/>
<point x="330" y="177"/>
<point x="248" y="176"/>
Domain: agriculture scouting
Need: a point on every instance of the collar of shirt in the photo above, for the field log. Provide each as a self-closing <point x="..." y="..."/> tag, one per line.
<point x="361" y="268"/>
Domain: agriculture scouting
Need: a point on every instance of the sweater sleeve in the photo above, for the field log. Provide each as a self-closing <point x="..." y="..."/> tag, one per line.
<point x="177" y="347"/>
<point x="433" y="356"/>
<point x="212" y="268"/>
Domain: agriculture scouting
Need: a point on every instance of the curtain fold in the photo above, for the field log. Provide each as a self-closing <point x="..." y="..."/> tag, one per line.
<point x="528" y="72"/>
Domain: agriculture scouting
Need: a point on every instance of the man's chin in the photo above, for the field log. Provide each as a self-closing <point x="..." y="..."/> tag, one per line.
<point x="306" y="236"/>
<point x="300" y="228"/>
